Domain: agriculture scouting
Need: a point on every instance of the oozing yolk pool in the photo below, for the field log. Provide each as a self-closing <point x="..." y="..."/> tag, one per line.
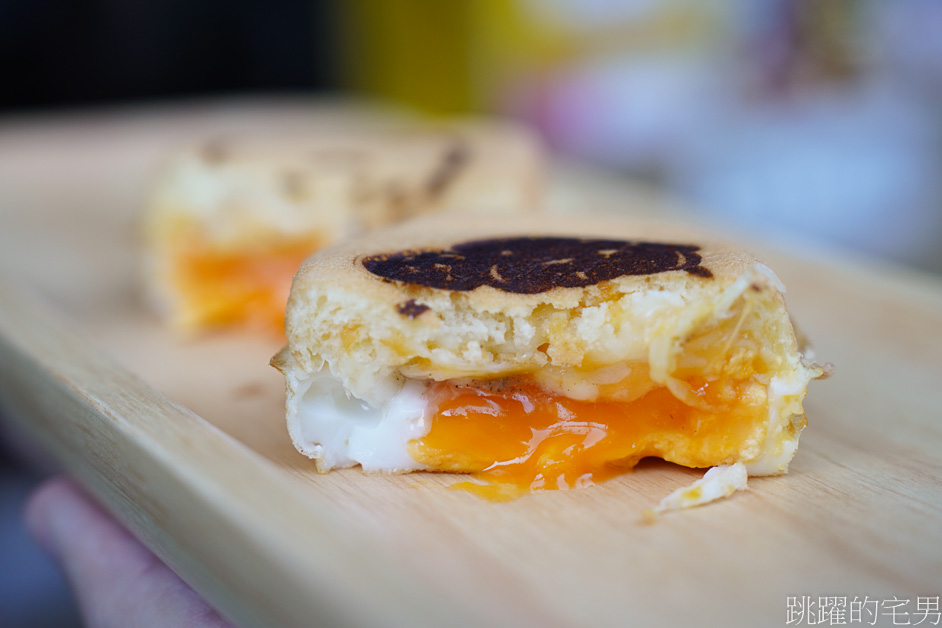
<point x="524" y="438"/>
<point x="220" y="289"/>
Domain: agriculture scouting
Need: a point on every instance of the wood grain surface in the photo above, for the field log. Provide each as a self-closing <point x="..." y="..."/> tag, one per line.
<point x="184" y="438"/>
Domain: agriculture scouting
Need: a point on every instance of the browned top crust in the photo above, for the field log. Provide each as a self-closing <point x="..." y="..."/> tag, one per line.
<point x="508" y="260"/>
<point x="529" y="265"/>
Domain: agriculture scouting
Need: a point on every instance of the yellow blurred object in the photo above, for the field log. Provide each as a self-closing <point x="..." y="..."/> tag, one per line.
<point x="412" y="51"/>
<point x="456" y="57"/>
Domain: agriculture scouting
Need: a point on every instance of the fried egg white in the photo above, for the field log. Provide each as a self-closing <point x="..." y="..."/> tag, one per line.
<point x="338" y="430"/>
<point x="717" y="483"/>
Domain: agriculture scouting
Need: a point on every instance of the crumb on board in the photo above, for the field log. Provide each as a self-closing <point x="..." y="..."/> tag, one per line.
<point x="717" y="483"/>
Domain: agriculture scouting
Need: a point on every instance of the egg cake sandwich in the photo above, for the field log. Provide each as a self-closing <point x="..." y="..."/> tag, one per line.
<point x="231" y="220"/>
<point x="543" y="355"/>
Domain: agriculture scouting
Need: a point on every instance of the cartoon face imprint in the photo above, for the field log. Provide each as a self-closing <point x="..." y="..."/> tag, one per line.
<point x="530" y="265"/>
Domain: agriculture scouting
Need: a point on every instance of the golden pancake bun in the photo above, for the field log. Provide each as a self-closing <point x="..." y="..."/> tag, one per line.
<point x="630" y="291"/>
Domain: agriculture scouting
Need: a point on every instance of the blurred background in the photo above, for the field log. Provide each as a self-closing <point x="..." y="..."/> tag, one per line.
<point x="821" y="120"/>
<point x="786" y="116"/>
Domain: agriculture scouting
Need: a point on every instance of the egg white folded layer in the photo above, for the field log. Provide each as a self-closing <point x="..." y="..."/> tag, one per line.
<point x="334" y="428"/>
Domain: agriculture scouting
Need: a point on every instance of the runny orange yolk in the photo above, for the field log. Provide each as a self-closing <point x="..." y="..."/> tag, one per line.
<point x="223" y="288"/>
<point x="524" y="438"/>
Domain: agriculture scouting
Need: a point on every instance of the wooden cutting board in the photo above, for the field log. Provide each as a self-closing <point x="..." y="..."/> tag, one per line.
<point x="184" y="439"/>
